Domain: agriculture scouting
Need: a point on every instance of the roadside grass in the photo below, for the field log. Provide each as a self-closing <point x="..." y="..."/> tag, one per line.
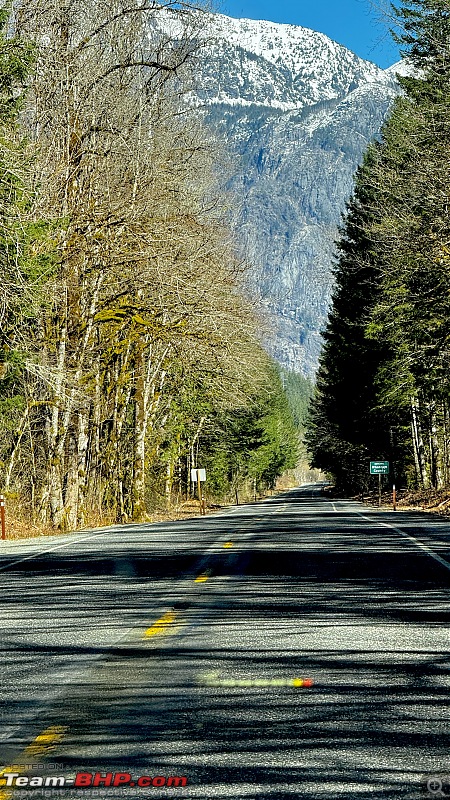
<point x="434" y="501"/>
<point x="20" y="524"/>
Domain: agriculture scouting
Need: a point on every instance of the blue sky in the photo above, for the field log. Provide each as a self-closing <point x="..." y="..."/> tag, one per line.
<point x="360" y="25"/>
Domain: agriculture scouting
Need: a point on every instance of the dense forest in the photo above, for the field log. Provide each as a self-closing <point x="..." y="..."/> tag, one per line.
<point x="130" y="345"/>
<point x="383" y="386"/>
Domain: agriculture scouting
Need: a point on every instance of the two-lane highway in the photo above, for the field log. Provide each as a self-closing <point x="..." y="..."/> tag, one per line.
<point x="297" y="648"/>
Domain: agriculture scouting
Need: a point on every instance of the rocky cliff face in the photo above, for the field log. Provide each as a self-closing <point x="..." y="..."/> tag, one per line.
<point x="299" y="111"/>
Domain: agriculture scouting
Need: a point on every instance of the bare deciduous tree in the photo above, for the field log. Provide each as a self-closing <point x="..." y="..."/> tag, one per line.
<point x="144" y="275"/>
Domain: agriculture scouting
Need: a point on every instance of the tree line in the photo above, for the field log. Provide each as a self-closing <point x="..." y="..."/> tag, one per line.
<point x="130" y="346"/>
<point x="383" y="386"/>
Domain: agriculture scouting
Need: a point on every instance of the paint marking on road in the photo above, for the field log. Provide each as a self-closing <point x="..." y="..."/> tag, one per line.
<point x="213" y="680"/>
<point x="228" y="544"/>
<point x="420" y="544"/>
<point x="162" y="626"/>
<point x="42" y="745"/>
<point x="40" y="553"/>
<point x="98" y="533"/>
<point x="45" y="741"/>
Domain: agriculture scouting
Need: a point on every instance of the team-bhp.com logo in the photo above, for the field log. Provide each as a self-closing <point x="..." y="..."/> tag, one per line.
<point x="85" y="780"/>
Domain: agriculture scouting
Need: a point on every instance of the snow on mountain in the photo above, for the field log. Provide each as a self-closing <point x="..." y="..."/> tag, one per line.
<point x="298" y="111"/>
<point x="277" y="66"/>
<point x="400" y="68"/>
<point x="283" y="65"/>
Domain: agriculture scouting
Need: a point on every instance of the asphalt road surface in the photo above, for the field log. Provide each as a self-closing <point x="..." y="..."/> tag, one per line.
<point x="186" y="650"/>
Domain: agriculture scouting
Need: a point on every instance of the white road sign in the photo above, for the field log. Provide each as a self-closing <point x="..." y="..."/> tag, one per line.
<point x="201" y="475"/>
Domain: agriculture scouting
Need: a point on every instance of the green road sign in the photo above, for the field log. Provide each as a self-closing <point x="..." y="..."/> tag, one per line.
<point x="379" y="467"/>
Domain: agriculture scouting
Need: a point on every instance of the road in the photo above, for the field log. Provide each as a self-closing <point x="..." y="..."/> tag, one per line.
<point x="178" y="650"/>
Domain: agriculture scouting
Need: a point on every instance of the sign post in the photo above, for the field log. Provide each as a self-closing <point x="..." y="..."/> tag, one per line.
<point x="392" y="440"/>
<point x="379" y="468"/>
<point x="2" y="515"/>
<point x="197" y="476"/>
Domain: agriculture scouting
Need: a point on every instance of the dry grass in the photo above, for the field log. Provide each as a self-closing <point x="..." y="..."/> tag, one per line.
<point x="19" y="524"/>
<point x="19" y="527"/>
<point x="436" y="501"/>
<point x="430" y="500"/>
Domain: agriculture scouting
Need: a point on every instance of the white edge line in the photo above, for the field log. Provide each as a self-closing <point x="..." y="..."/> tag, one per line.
<point x="51" y="549"/>
<point x="420" y="544"/>
<point x="99" y="532"/>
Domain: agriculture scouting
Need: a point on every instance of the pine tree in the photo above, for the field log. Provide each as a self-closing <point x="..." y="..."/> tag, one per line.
<point x="391" y="305"/>
<point x="15" y="60"/>
<point x="346" y="429"/>
<point x="413" y="236"/>
<point x="21" y="267"/>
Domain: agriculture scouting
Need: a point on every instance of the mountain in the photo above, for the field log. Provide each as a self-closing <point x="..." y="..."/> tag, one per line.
<point x="298" y="110"/>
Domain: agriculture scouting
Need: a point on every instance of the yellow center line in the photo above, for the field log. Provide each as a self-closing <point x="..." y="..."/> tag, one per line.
<point x="162" y="625"/>
<point x="42" y="745"/>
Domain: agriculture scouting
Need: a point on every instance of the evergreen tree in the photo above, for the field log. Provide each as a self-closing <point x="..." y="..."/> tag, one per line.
<point x="346" y="429"/>
<point x="412" y="232"/>
<point x="15" y="61"/>
<point x="21" y="267"/>
<point x="249" y="445"/>
<point x="383" y="377"/>
<point x="299" y="391"/>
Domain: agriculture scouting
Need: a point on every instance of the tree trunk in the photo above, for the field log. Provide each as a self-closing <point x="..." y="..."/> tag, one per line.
<point x="20" y="431"/>
<point x="70" y="516"/>
<point x="140" y="420"/>
<point x="52" y="492"/>
<point x="169" y="482"/>
<point x="419" y="450"/>
<point x="435" y="450"/>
